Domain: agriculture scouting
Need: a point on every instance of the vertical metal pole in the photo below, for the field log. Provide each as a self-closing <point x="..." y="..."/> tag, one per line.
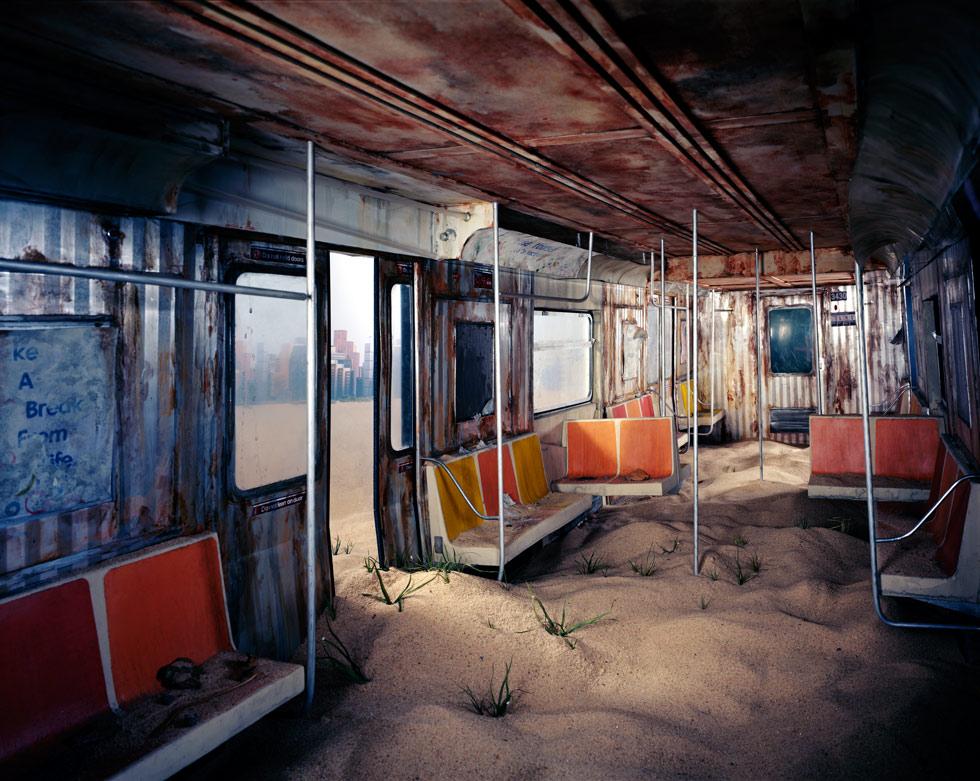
<point x="866" y="422"/>
<point x="687" y="340"/>
<point x="694" y="363"/>
<point x="417" y="398"/>
<point x="498" y="392"/>
<point x="310" y="425"/>
<point x="817" y="358"/>
<point x="758" y="367"/>
<point x="663" y="321"/>
<point x="711" y="355"/>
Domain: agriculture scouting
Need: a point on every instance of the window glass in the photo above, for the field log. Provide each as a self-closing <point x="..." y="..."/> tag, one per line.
<point x="474" y="370"/>
<point x="402" y="368"/>
<point x="270" y="383"/>
<point x="791" y="340"/>
<point x="958" y="352"/>
<point x="562" y="359"/>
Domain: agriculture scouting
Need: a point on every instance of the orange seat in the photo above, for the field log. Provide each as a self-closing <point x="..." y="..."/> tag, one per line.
<point x="592" y="449"/>
<point x="645" y="445"/>
<point x="162" y="607"/>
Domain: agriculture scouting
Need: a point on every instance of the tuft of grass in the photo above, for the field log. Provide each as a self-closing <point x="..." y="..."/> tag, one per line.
<point x="337" y="656"/>
<point x="803" y="522"/>
<point x="371" y="564"/>
<point x="740" y="541"/>
<point x="742" y="575"/>
<point x="442" y="567"/>
<point x="339" y="546"/>
<point x="675" y="546"/>
<point x="705" y="601"/>
<point x="646" y="566"/>
<point x="386" y="598"/>
<point x="756" y="563"/>
<point x="593" y="564"/>
<point x="497" y="699"/>
<point x="712" y="574"/>
<point x="564" y="626"/>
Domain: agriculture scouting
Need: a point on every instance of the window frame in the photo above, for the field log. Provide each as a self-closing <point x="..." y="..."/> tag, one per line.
<point x="392" y="452"/>
<point x="591" y="372"/>
<point x="236" y="269"/>
<point x="769" y="350"/>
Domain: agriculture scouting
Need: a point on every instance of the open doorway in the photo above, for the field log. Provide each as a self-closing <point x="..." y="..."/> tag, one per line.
<point x="352" y="435"/>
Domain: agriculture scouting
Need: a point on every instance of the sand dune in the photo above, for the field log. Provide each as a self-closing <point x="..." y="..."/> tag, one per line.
<point x="787" y="676"/>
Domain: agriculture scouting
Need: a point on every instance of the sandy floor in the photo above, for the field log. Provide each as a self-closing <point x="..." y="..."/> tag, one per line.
<point x="787" y="676"/>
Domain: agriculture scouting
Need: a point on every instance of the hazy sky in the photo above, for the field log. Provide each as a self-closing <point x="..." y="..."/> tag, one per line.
<point x="275" y="321"/>
<point x="352" y="296"/>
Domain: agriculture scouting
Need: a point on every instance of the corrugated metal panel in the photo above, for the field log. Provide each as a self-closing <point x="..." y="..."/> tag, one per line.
<point x="736" y="360"/>
<point x="146" y="373"/>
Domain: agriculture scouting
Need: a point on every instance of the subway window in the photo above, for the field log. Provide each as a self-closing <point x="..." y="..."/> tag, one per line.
<point x="270" y="383"/>
<point x="402" y="368"/>
<point x="474" y="370"/>
<point x="562" y="359"/>
<point x="791" y="340"/>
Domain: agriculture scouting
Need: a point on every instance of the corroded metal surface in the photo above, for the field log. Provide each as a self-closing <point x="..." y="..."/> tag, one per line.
<point x="147" y="383"/>
<point x="736" y="360"/>
<point x="656" y="109"/>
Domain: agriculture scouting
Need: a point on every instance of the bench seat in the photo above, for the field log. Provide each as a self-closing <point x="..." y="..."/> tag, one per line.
<point x="148" y="740"/>
<point x="80" y="657"/>
<point x="903" y="456"/>
<point x="643" y="406"/>
<point x="706" y="418"/>
<point x="887" y="489"/>
<point x="534" y="514"/>
<point x="621" y="457"/>
<point x="940" y="564"/>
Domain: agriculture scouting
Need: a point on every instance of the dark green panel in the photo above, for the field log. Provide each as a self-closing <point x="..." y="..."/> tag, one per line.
<point x="791" y="340"/>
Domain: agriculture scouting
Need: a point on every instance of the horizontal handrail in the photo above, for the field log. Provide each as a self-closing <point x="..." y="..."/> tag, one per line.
<point x="151" y="278"/>
<point x="929" y="514"/>
<point x="459" y="488"/>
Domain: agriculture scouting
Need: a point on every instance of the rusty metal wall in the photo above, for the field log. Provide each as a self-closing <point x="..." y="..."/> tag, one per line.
<point x="736" y="359"/>
<point x="621" y="305"/>
<point x="146" y="376"/>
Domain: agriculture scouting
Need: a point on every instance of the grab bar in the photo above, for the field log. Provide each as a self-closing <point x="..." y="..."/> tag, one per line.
<point x="459" y="488"/>
<point x="932" y="509"/>
<point x="884" y="409"/>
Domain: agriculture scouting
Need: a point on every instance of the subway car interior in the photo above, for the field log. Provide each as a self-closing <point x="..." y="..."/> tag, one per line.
<point x="607" y="367"/>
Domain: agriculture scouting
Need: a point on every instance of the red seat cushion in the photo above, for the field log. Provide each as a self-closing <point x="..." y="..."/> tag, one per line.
<point x="488" y="479"/>
<point x="905" y="448"/>
<point x="160" y="607"/>
<point x="836" y="446"/>
<point x="50" y="668"/>
<point x="646" y="406"/>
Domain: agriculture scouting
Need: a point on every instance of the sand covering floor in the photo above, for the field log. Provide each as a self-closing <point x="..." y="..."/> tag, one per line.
<point x="787" y="676"/>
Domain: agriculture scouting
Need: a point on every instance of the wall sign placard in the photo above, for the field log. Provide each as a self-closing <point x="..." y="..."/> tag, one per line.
<point x="843" y="318"/>
<point x="57" y="417"/>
